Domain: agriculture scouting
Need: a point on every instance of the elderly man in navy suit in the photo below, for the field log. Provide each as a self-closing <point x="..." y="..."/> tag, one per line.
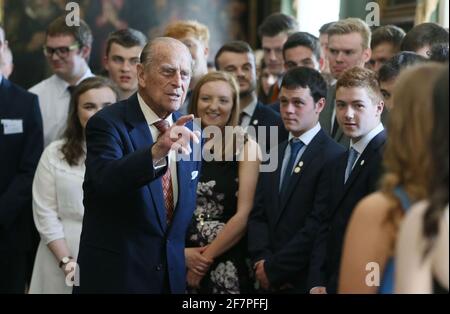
<point x="290" y="201"/>
<point x="139" y="197"/>
<point x="21" y="145"/>
<point x="355" y="173"/>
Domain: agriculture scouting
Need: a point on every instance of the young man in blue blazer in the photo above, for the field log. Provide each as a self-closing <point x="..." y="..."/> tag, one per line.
<point x="354" y="175"/>
<point x="290" y="200"/>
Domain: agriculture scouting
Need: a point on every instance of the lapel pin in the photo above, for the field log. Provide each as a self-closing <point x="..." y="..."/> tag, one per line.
<point x="362" y="163"/>
<point x="256" y="122"/>
<point x="300" y="164"/>
<point x="297" y="170"/>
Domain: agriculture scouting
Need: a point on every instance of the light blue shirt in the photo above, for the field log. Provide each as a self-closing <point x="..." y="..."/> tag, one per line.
<point x="306" y="138"/>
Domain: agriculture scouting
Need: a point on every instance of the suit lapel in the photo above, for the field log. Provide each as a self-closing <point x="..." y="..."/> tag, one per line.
<point x="276" y="181"/>
<point x="327" y="113"/>
<point x="142" y="139"/>
<point x="4" y="85"/>
<point x="304" y="162"/>
<point x="362" y="162"/>
<point x="255" y="120"/>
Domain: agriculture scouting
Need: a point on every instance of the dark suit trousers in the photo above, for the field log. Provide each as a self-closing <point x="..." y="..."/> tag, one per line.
<point x="13" y="272"/>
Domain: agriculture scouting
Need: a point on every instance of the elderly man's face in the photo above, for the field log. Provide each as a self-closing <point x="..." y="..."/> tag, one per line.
<point x="164" y="82"/>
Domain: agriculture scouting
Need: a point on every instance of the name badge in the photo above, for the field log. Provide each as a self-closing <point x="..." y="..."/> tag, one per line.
<point x="11" y="127"/>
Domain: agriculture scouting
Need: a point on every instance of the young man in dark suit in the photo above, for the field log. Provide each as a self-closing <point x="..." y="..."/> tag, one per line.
<point x="21" y="145"/>
<point x="238" y="59"/>
<point x="290" y="201"/>
<point x="354" y="175"/>
<point x="139" y="197"/>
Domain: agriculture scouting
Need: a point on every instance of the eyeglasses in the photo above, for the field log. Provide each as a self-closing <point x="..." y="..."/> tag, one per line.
<point x="62" y="52"/>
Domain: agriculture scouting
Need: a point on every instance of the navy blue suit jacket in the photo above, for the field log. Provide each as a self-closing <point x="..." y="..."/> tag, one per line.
<point x="363" y="180"/>
<point x="266" y="117"/>
<point x="19" y="157"/>
<point x="126" y="245"/>
<point x="282" y="231"/>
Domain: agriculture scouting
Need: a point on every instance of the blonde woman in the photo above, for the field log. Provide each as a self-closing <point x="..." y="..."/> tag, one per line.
<point x="371" y="235"/>
<point x="216" y="256"/>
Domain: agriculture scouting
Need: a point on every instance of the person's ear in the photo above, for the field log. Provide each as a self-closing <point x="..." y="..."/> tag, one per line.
<point x="367" y="54"/>
<point x="380" y="107"/>
<point x="105" y="63"/>
<point x="320" y="105"/>
<point x="85" y="52"/>
<point x="141" y="74"/>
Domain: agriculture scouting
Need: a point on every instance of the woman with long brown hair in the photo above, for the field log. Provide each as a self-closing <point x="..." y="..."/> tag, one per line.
<point x="423" y="244"/>
<point x="58" y="193"/>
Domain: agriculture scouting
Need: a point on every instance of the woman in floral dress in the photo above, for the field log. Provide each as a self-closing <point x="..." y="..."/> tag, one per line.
<point x="216" y="253"/>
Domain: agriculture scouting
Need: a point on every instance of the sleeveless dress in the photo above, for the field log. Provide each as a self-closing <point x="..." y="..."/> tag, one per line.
<point x="387" y="282"/>
<point x="216" y="204"/>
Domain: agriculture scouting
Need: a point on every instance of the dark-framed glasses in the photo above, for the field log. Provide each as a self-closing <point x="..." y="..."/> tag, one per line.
<point x="62" y="52"/>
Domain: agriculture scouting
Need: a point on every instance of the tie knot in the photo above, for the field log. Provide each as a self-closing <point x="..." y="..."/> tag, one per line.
<point x="296" y="144"/>
<point x="161" y="125"/>
<point x="241" y="117"/>
<point x="353" y="153"/>
<point x="71" y="89"/>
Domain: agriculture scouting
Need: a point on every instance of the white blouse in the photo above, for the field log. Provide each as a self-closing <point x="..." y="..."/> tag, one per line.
<point x="58" y="214"/>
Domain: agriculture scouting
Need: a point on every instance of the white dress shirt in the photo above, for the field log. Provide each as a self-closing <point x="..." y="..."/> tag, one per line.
<point x="54" y="100"/>
<point x="151" y="117"/>
<point x="361" y="145"/>
<point x="58" y="214"/>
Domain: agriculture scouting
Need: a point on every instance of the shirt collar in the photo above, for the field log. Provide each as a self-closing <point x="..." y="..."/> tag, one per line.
<point x="150" y="116"/>
<point x="250" y="109"/>
<point x="361" y="145"/>
<point x="308" y="136"/>
<point x="62" y="85"/>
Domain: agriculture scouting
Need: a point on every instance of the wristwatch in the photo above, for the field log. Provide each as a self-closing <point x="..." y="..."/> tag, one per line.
<point x="65" y="260"/>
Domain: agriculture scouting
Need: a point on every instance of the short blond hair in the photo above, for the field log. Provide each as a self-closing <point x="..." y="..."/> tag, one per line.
<point x="363" y="78"/>
<point x="181" y="29"/>
<point x="352" y="25"/>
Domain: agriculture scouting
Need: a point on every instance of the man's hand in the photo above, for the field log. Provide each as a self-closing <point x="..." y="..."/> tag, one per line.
<point x="176" y="138"/>
<point x="196" y="262"/>
<point x="318" y="290"/>
<point x="261" y="275"/>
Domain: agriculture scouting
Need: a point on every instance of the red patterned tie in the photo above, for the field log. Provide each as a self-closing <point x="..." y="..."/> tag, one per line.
<point x="275" y="93"/>
<point x="162" y="126"/>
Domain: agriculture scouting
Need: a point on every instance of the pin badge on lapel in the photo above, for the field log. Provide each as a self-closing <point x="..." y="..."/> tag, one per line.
<point x="363" y="162"/>
<point x="299" y="167"/>
<point x="256" y="122"/>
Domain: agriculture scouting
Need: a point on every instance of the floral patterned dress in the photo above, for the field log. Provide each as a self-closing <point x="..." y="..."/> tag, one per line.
<point x="216" y="204"/>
